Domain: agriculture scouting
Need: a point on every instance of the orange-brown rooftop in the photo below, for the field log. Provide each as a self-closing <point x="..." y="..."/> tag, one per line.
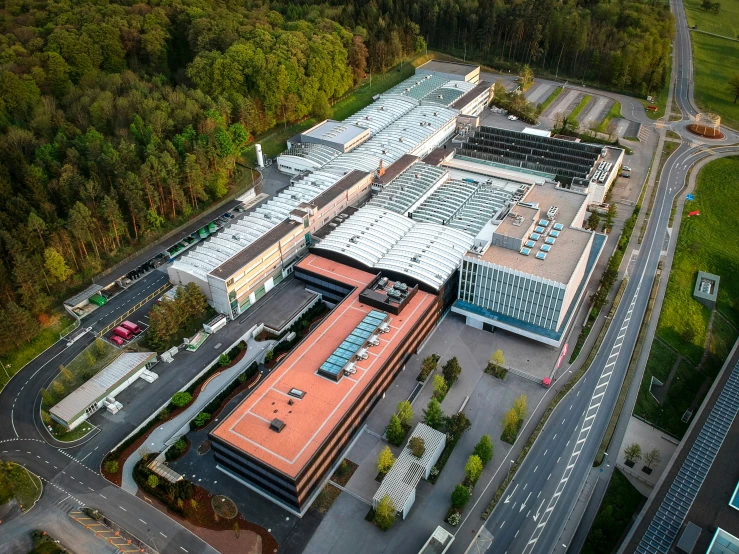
<point x="311" y="420"/>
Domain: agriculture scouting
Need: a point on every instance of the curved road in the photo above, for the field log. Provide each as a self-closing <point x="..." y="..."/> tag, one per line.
<point x="24" y="440"/>
<point x="530" y="516"/>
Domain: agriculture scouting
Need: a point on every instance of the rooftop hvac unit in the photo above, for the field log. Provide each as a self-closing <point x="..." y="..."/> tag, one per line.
<point x="277" y="425"/>
<point x="383" y="281"/>
<point x="362" y="354"/>
<point x="384" y="327"/>
<point x="374" y="340"/>
<point x="382" y="108"/>
<point x="400" y="139"/>
<point x="552" y="211"/>
<point x="350" y="369"/>
<point x="354" y="239"/>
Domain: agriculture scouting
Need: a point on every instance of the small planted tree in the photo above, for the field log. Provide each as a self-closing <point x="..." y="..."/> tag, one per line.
<point x="440" y="387"/>
<point x="510" y="426"/>
<point x="520" y="405"/>
<point x="457" y="425"/>
<point x="385" y="513"/>
<point x="111" y="466"/>
<point x="201" y="419"/>
<point x="394" y="431"/>
<point x="633" y="454"/>
<point x="652" y="458"/>
<point x="484" y="449"/>
<point x="152" y="481"/>
<point x="428" y="366"/>
<point x="496" y="364"/>
<point x="433" y="415"/>
<point x="385" y="460"/>
<point x="224" y="360"/>
<point x="473" y="468"/>
<point x="405" y="412"/>
<point x="181" y="399"/>
<point x="269" y="356"/>
<point x="417" y="446"/>
<point x="460" y="496"/>
<point x="451" y="370"/>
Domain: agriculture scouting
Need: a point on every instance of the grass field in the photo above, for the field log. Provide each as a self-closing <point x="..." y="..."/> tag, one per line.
<point x="725" y="23"/>
<point x="551" y="98"/>
<point x="660" y="362"/>
<point x="273" y="142"/>
<point x="49" y="335"/>
<point x="715" y="60"/>
<point x="19" y="483"/>
<point x="619" y="505"/>
<point x="580" y="107"/>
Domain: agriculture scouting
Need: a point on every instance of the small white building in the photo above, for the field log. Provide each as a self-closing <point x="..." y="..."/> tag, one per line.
<point x="101" y="389"/>
<point x="401" y="481"/>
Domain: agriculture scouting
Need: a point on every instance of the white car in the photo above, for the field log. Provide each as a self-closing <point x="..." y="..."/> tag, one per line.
<point x="512" y="117"/>
<point x="626" y="168"/>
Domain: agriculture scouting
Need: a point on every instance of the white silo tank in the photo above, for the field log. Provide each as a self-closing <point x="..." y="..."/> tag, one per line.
<point x="260" y="158"/>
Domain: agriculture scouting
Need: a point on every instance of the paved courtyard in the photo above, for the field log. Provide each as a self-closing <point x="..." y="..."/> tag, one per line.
<point x="489" y="398"/>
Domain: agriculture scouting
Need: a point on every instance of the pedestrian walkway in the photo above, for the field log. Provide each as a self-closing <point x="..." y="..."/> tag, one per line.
<point x="167" y="433"/>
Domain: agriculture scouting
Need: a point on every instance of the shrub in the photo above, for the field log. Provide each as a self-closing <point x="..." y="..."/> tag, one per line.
<point x="433" y="416"/>
<point x="385" y="513"/>
<point x="223" y="360"/>
<point x="385" y="460"/>
<point x="473" y="468"/>
<point x="440" y="387"/>
<point x="181" y="399"/>
<point x="201" y="419"/>
<point x="269" y="356"/>
<point x="176" y="450"/>
<point x="484" y="449"/>
<point x="428" y="366"/>
<point x="460" y="496"/>
<point x="405" y="412"/>
<point x="152" y="481"/>
<point x="111" y="466"/>
<point x="417" y="446"/>
<point x="454" y="519"/>
<point x="394" y="431"/>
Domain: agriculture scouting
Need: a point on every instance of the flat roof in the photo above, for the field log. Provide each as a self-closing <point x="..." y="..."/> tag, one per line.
<point x="396" y="168"/>
<point x="312" y="419"/>
<point x="439" y="155"/>
<point x="335" y="131"/>
<point x="340" y="187"/>
<point x="100" y="384"/>
<point x="254" y="249"/>
<point x="529" y="215"/>
<point x="468" y="97"/>
<point x="456" y="68"/>
<point x="568" y="247"/>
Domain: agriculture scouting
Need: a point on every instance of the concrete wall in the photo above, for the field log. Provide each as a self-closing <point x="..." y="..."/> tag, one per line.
<point x="177" y="277"/>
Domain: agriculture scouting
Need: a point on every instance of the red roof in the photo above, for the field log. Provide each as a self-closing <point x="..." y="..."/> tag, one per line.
<point x="312" y="419"/>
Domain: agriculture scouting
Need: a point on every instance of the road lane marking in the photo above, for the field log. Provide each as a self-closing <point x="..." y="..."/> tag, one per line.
<point x="122" y="508"/>
<point x="106" y="498"/>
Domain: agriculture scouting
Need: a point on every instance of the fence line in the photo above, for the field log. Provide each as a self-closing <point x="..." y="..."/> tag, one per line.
<point x="121" y="318"/>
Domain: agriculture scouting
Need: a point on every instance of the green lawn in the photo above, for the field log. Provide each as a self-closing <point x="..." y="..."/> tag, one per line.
<point x="580" y="107"/>
<point x="723" y="338"/>
<point x="49" y="335"/>
<point x="619" y="505"/>
<point x="273" y="142"/>
<point x="660" y="362"/>
<point x="19" y="483"/>
<point x="75" y="434"/>
<point x="704" y="243"/>
<point x="614" y="112"/>
<point x="715" y="60"/>
<point x="725" y="23"/>
<point x="551" y="98"/>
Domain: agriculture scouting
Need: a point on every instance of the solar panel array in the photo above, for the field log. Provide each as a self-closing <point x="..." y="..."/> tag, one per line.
<point x="351" y="345"/>
<point x="666" y="523"/>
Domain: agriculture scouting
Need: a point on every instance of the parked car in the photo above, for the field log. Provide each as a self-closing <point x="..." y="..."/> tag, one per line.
<point x="626" y="168"/>
<point x="116" y="339"/>
<point x="135" y="329"/>
<point x="123" y="333"/>
<point x="626" y="176"/>
<point x="512" y="117"/>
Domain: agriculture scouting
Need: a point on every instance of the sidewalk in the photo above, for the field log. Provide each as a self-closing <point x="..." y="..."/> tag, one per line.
<point x="165" y="434"/>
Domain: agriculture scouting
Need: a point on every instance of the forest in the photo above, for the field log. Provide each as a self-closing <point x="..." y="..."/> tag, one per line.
<point x="120" y="120"/>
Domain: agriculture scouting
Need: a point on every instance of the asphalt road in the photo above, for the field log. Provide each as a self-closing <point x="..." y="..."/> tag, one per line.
<point x="24" y="440"/>
<point x="537" y="504"/>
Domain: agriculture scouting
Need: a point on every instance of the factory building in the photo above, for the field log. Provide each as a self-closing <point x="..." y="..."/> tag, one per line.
<point x="238" y="265"/>
<point x="527" y="272"/>
<point x="284" y="439"/>
<point x="454" y="71"/>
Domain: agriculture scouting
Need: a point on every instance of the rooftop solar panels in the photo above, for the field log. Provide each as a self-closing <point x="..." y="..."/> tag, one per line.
<point x="558" y="226"/>
<point x="545" y="248"/>
<point x="525" y="251"/>
<point x="554" y="234"/>
<point x="530" y="243"/>
<point x="541" y="255"/>
<point x="549" y="240"/>
<point x="332" y="368"/>
<point x="668" y="520"/>
<point x="540" y="229"/>
<point x="535" y="236"/>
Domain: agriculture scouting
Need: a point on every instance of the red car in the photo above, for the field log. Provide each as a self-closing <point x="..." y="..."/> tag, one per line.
<point x="116" y="339"/>
<point x="135" y="329"/>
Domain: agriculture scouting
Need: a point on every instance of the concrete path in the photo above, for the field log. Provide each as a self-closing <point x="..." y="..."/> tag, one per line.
<point x="165" y="434"/>
<point x="538" y="93"/>
<point x="563" y="103"/>
<point x="596" y="112"/>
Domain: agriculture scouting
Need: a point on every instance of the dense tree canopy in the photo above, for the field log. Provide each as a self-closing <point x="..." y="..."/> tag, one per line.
<point x="117" y="119"/>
